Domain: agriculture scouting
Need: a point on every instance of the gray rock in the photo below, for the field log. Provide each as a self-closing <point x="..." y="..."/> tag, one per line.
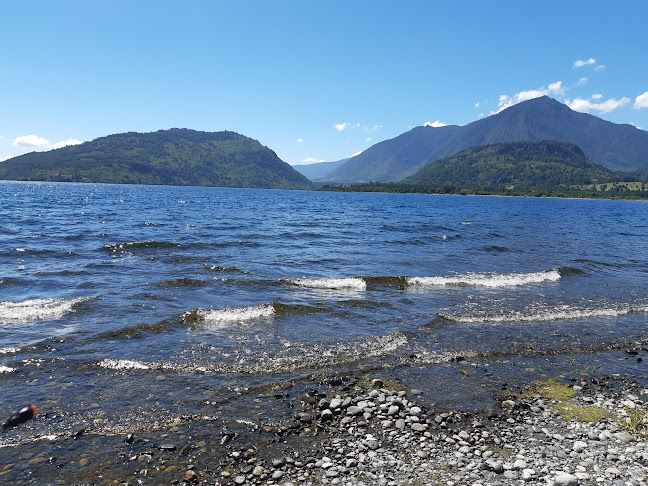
<point x="624" y="437"/>
<point x="239" y="480"/>
<point x="327" y="415"/>
<point x="373" y="444"/>
<point x="579" y="446"/>
<point x="335" y="403"/>
<point x="566" y="479"/>
<point x="354" y="410"/>
<point x="495" y="466"/>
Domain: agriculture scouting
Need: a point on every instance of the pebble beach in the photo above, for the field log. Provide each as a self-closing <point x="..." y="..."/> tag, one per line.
<point x="345" y="431"/>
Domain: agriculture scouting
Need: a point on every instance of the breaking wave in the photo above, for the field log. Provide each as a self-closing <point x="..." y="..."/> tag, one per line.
<point x="291" y="356"/>
<point x="6" y="369"/>
<point x="493" y="280"/>
<point x="36" y="309"/>
<point x="355" y="283"/>
<point x="558" y="313"/>
<point x="223" y="316"/>
<point x="123" y="364"/>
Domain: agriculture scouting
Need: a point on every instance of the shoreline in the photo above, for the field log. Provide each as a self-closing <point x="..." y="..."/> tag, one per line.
<point x="362" y="433"/>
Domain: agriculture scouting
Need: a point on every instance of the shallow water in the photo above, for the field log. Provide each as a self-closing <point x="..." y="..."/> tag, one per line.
<point x="125" y="308"/>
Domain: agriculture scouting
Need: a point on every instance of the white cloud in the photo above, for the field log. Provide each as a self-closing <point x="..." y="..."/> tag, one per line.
<point x="368" y="139"/>
<point x="600" y="67"/>
<point x="67" y="143"/>
<point x="5" y="157"/>
<point x="506" y="101"/>
<point x="597" y="96"/>
<point x="367" y="128"/>
<point x="435" y="124"/>
<point x="580" y="63"/>
<point x="34" y="141"/>
<point x="641" y="101"/>
<point x="582" y="81"/>
<point x="477" y="105"/>
<point x="312" y="160"/>
<point x="556" y="88"/>
<point x="300" y="140"/>
<point x="585" y="106"/>
<point x="30" y="141"/>
<point x="357" y="153"/>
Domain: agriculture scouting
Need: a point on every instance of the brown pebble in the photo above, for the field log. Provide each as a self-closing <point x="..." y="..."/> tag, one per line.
<point x="191" y="475"/>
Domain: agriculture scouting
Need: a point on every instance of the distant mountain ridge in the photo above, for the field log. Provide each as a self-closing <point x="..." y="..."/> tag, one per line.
<point x="177" y="156"/>
<point x="614" y="146"/>
<point x="319" y="169"/>
<point x="392" y="160"/>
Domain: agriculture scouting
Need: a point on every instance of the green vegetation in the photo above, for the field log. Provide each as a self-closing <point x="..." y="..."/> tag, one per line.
<point x="550" y="389"/>
<point x="546" y="168"/>
<point x="635" y="421"/>
<point x="560" y="394"/>
<point x="169" y="157"/>
<point x="577" y="413"/>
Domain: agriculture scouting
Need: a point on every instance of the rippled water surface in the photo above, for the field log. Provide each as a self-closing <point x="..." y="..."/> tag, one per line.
<point x="124" y="302"/>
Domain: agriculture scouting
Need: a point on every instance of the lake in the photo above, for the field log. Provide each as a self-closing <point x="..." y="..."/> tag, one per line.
<point x="127" y="309"/>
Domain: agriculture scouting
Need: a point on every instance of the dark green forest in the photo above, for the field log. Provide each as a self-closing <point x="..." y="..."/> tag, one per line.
<point x="544" y="168"/>
<point x="168" y="157"/>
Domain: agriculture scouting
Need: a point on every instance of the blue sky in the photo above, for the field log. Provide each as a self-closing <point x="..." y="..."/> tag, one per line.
<point x="312" y="80"/>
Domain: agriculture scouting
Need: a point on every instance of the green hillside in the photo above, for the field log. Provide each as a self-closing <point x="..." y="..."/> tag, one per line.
<point x="168" y="157"/>
<point x="520" y="166"/>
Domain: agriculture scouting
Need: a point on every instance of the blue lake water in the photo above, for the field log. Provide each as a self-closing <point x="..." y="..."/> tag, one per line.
<point x="125" y="307"/>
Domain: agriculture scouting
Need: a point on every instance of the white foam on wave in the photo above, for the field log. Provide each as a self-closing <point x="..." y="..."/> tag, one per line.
<point x="558" y="313"/>
<point x="35" y="309"/>
<point x="9" y="350"/>
<point x="492" y="280"/>
<point x="123" y="364"/>
<point x="354" y="283"/>
<point x="227" y="315"/>
<point x="6" y="369"/>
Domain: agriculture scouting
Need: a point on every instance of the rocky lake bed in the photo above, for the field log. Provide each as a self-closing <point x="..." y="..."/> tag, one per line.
<point x="370" y="430"/>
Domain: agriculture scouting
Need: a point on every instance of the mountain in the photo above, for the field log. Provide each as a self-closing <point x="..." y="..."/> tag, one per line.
<point x="177" y="156"/>
<point x="523" y="166"/>
<point x="318" y="170"/>
<point x="614" y="146"/>
<point x="393" y="159"/>
<point x="617" y="147"/>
